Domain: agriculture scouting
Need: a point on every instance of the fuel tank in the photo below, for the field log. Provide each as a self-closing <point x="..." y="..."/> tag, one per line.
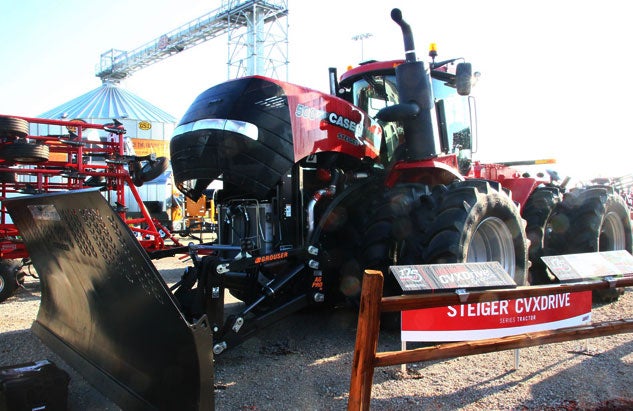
<point x="249" y="132"/>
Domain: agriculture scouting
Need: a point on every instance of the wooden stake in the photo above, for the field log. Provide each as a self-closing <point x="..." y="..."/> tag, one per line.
<point x="366" y="341"/>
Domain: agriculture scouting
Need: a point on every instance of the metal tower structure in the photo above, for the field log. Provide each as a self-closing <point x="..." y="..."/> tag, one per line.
<point x="257" y="37"/>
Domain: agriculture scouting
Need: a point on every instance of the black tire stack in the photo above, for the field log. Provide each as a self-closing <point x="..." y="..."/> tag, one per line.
<point x="15" y="147"/>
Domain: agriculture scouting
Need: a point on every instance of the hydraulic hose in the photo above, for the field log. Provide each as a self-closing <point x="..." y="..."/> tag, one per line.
<point x="330" y="191"/>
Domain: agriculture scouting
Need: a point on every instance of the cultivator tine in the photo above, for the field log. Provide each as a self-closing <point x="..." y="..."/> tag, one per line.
<point x="105" y="308"/>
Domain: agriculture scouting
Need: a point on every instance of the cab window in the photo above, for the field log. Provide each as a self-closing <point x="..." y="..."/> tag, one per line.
<point x="373" y="93"/>
<point x="455" y="115"/>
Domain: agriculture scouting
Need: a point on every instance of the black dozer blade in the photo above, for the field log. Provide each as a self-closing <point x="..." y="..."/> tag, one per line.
<point x="106" y="310"/>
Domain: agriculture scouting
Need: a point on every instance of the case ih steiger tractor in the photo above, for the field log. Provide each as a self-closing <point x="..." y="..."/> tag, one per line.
<point x="319" y="187"/>
<point x="316" y="188"/>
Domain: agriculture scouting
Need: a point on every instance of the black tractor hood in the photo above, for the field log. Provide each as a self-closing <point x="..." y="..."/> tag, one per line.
<point x="238" y="131"/>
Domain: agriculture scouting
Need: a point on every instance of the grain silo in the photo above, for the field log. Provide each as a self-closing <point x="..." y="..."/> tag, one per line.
<point x="148" y="129"/>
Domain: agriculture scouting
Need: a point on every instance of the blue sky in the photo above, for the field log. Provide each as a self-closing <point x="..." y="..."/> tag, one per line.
<point x="554" y="72"/>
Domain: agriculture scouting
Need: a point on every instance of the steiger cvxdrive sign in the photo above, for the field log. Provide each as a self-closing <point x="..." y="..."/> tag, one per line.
<point x="496" y="318"/>
<point x="487" y="319"/>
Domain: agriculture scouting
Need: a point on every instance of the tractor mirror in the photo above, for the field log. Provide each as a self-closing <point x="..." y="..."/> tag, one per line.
<point x="463" y="78"/>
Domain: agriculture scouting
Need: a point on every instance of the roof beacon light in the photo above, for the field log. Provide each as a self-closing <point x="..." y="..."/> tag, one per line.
<point x="433" y="51"/>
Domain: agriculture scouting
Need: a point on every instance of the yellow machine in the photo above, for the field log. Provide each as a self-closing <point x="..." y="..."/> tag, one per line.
<point x="193" y="217"/>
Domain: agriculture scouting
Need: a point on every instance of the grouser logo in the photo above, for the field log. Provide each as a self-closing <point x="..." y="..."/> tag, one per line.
<point x="271" y="257"/>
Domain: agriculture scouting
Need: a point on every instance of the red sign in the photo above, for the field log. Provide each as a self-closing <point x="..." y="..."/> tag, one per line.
<point x="493" y="319"/>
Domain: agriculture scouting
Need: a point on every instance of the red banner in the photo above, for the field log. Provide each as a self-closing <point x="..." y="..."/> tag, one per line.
<point x="493" y="319"/>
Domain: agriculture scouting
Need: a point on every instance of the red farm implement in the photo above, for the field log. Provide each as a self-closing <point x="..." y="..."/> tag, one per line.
<point x="65" y="159"/>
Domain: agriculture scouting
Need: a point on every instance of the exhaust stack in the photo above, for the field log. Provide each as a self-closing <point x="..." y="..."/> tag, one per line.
<point x="416" y="109"/>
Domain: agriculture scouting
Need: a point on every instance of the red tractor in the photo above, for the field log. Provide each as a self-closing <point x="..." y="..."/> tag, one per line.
<point x="316" y="188"/>
<point x="319" y="187"/>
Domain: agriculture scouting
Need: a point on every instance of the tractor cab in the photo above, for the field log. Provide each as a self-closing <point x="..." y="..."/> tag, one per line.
<point x="372" y="87"/>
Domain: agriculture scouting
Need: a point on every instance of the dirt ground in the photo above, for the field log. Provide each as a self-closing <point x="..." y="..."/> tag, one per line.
<point x="304" y="363"/>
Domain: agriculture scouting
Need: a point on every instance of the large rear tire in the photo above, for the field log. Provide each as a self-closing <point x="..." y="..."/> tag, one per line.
<point x="590" y="220"/>
<point x="537" y="212"/>
<point x="475" y="221"/>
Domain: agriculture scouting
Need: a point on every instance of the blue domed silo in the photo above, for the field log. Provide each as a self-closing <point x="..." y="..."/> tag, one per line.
<point x="148" y="128"/>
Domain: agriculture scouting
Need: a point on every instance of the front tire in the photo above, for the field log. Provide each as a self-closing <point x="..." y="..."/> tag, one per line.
<point x="390" y="230"/>
<point x="476" y="221"/>
<point x="340" y="235"/>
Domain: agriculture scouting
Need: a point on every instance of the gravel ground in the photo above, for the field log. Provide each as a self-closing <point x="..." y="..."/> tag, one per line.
<point x="304" y="363"/>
